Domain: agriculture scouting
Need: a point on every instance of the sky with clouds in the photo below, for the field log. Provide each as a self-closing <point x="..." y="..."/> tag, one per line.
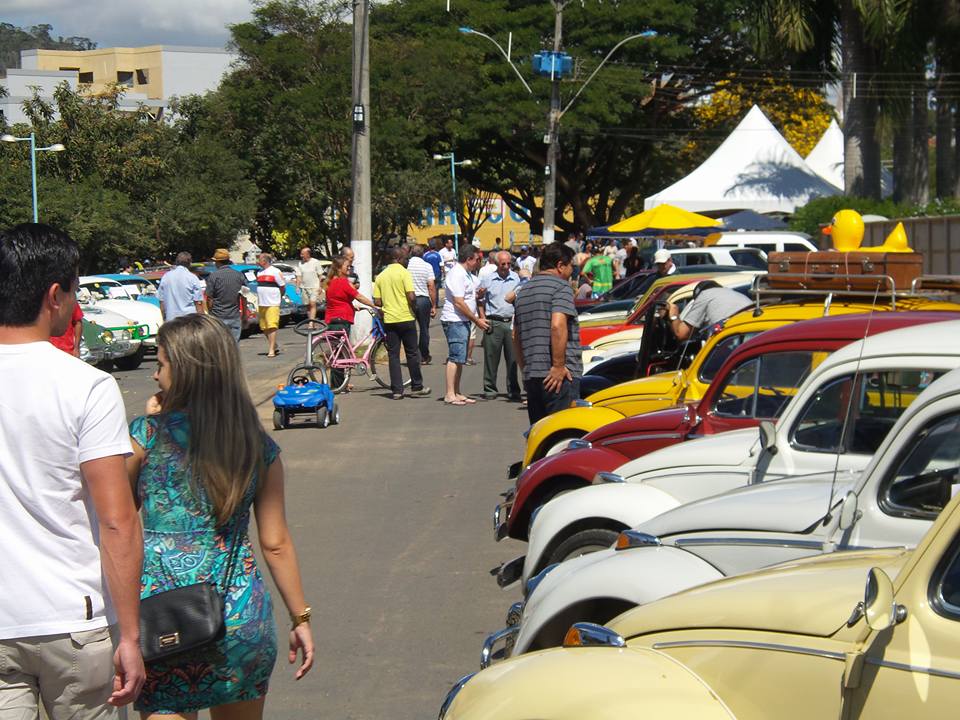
<point x="113" y="23"/>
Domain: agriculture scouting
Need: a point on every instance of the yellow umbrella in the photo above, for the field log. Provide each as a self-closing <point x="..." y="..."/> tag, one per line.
<point x="663" y="217"/>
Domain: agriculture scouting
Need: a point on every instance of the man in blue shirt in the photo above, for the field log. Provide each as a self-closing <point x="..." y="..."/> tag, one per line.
<point x="499" y="338"/>
<point x="433" y="257"/>
<point x="180" y="291"/>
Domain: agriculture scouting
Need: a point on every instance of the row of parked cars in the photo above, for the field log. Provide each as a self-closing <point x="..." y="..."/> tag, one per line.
<point x="760" y="524"/>
<point x="121" y="311"/>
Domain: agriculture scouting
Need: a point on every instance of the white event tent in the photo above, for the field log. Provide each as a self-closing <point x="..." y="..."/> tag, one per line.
<point x="826" y="159"/>
<point x="753" y="169"/>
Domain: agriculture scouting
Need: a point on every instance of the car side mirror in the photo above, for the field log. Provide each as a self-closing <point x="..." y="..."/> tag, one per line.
<point x="768" y="437"/>
<point x="879" y="607"/>
<point x="849" y="513"/>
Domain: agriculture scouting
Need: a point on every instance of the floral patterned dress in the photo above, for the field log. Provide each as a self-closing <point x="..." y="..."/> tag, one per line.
<point x="182" y="545"/>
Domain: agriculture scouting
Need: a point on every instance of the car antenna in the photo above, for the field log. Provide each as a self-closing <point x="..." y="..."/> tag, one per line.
<point x="849" y="412"/>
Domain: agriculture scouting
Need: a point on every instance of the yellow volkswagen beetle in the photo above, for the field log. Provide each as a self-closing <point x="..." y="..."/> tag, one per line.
<point x="665" y="389"/>
<point x="825" y="637"/>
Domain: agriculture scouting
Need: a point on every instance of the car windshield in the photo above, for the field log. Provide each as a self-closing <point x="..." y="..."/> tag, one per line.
<point x="106" y="291"/>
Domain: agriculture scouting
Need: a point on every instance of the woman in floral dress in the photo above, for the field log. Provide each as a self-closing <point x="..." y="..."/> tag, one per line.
<point x="201" y="462"/>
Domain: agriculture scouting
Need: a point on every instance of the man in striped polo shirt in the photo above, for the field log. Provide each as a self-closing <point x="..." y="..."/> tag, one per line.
<point x="546" y="335"/>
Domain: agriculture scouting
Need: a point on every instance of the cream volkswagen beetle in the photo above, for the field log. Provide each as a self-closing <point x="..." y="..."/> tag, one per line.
<point x="826" y="637"/>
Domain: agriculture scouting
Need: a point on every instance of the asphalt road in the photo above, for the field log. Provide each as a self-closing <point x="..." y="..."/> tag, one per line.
<point x="391" y="515"/>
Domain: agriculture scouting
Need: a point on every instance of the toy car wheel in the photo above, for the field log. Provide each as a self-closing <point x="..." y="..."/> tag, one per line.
<point x="279" y="421"/>
<point x="335" y="418"/>
<point x="323" y="417"/>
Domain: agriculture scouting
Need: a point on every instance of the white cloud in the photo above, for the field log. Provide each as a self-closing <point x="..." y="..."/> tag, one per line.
<point x="112" y="23"/>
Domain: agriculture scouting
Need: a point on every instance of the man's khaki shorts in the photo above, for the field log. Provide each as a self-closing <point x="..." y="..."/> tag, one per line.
<point x="310" y="294"/>
<point x="71" y="674"/>
<point x="269" y="317"/>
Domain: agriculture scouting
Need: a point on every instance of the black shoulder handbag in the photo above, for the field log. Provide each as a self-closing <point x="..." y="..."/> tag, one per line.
<point x="185" y="618"/>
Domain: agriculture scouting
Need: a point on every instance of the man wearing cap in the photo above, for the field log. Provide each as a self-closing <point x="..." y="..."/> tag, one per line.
<point x="663" y="263"/>
<point x="223" y="293"/>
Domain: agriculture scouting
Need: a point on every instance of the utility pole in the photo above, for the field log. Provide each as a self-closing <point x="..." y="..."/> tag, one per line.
<point x="360" y="226"/>
<point x="553" y="136"/>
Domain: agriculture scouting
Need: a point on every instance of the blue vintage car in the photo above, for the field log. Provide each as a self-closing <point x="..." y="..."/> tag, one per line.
<point x="138" y="286"/>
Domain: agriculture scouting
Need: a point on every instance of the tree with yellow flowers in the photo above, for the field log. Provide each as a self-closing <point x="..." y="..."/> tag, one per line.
<point x="800" y="114"/>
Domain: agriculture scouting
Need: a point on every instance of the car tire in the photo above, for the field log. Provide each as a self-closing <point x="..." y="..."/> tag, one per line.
<point x="583" y="543"/>
<point x="130" y="362"/>
<point x="323" y="417"/>
<point x="279" y="421"/>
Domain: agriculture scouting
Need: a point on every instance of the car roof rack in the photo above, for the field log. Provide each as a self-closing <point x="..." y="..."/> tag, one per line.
<point x="832" y="285"/>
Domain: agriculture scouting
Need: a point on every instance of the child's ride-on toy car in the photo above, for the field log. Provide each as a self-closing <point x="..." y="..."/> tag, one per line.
<point x="305" y="396"/>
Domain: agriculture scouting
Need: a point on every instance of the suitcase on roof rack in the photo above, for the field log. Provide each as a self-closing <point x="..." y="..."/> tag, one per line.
<point x="835" y="270"/>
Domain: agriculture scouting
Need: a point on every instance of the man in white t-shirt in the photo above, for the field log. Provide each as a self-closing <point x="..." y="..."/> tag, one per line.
<point x="309" y="279"/>
<point x="72" y="543"/>
<point x="448" y="256"/>
<point x="526" y="261"/>
<point x="270" y="289"/>
<point x="489" y="268"/>
<point x="459" y="311"/>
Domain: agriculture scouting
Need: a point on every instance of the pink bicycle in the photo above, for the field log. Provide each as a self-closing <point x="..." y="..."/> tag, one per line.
<point x="339" y="356"/>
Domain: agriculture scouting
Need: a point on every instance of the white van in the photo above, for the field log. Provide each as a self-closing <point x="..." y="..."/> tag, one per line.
<point x="765" y="241"/>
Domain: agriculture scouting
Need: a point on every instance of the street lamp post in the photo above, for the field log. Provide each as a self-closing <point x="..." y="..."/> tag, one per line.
<point x="453" y="179"/>
<point x="56" y="147"/>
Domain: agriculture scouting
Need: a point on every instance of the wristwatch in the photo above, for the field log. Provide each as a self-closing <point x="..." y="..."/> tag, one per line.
<point x="301" y="618"/>
<point x="674" y="317"/>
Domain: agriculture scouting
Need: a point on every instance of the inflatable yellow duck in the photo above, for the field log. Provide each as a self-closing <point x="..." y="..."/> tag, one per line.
<point x="846" y="230"/>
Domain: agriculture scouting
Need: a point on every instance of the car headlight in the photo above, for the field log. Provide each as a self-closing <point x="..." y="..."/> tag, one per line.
<point x="125" y="334"/>
<point x="107" y="336"/>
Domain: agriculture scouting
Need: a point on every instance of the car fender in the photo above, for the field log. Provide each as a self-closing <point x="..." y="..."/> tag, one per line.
<point x="635" y="576"/>
<point x="600" y="683"/>
<point x="572" y="422"/>
<point x="622" y="505"/>
<point x="566" y="467"/>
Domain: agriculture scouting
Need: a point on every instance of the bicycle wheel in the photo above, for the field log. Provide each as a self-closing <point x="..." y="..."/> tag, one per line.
<point x="380" y="365"/>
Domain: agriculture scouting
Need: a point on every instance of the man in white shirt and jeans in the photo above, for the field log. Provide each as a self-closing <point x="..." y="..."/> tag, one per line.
<point x="459" y="311"/>
<point x="72" y="543"/>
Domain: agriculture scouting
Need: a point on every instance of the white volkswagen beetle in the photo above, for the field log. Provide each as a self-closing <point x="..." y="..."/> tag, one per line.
<point x="884" y="373"/>
<point x="892" y="503"/>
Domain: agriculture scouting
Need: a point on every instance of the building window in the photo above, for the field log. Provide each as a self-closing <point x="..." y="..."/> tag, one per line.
<point x="85" y="78"/>
<point x="66" y="69"/>
<point x="125" y="78"/>
<point x="143" y="76"/>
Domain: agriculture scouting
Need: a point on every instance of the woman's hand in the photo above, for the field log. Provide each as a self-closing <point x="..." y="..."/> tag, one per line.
<point x="155" y="404"/>
<point x="301" y="639"/>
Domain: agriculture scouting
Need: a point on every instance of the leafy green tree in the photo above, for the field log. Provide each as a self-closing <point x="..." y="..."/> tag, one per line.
<point x="14" y="39"/>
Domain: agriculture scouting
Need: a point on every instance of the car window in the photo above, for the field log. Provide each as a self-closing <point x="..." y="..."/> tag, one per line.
<point x="749" y="257"/>
<point x="945" y="583"/>
<point x="795" y="247"/>
<point x="696" y="259"/>
<point x="762" y="386"/>
<point x="928" y="476"/>
<point x="719" y="354"/>
<point x="873" y="400"/>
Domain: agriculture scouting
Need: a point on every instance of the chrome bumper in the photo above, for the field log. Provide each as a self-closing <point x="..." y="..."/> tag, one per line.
<point x="490" y="652"/>
<point x="501" y="513"/>
<point x="509" y="572"/>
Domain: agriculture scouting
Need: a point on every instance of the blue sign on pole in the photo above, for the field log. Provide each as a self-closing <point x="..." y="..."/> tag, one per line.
<point x="551" y="64"/>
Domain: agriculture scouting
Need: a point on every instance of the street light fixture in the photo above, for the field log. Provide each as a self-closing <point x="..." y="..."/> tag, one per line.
<point x="552" y="138"/>
<point x="56" y="147"/>
<point x="453" y="179"/>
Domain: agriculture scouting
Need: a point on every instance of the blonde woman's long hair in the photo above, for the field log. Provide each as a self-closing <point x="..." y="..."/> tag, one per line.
<point x="207" y="383"/>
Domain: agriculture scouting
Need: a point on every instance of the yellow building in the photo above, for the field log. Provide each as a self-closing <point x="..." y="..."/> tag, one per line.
<point x="501" y="222"/>
<point x="158" y="72"/>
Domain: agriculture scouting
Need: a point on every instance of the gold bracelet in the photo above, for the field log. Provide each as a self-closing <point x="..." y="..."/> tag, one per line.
<point x="301" y="618"/>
